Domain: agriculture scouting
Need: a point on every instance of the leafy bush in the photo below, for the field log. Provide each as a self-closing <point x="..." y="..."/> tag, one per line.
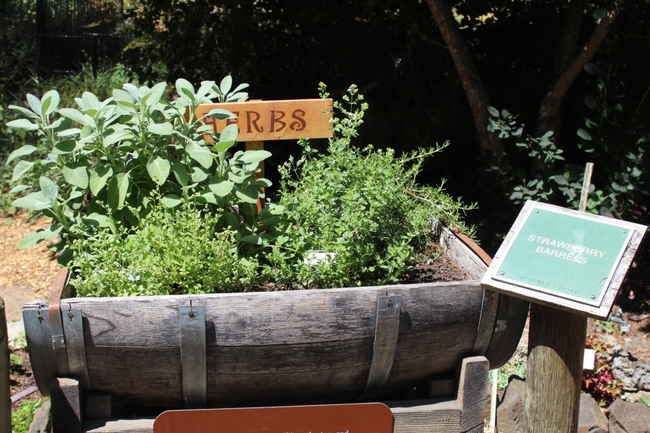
<point x="145" y="204"/>
<point x="97" y="165"/>
<point x="362" y="210"/>
<point x="601" y="383"/>
<point x="69" y="88"/>
<point x="22" y="417"/>
<point x="178" y="250"/>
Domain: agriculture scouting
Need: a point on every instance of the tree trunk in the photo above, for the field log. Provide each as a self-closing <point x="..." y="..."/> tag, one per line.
<point x="491" y="147"/>
<point x="550" y="109"/>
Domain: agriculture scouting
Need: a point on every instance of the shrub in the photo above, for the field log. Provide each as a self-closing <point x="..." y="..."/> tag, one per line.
<point x="177" y="250"/>
<point x="362" y="209"/>
<point x="97" y="165"/>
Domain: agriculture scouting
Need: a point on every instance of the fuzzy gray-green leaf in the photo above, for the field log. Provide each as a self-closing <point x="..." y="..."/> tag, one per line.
<point x="158" y="169"/>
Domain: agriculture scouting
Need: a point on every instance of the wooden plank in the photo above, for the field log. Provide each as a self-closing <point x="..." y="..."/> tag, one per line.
<point x="274" y="120"/>
<point x="66" y="397"/>
<point x="472" y="392"/>
<point x="5" y="398"/>
<point x="556" y="347"/>
<point x="425" y="416"/>
<point x="137" y="425"/>
<point x="279" y="339"/>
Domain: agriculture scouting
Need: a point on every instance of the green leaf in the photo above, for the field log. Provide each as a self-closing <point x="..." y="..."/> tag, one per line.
<point x="262" y="183"/>
<point x="184" y="87"/>
<point x="221" y="114"/>
<point x="22" y="124"/>
<point x="100" y="220"/>
<point x="180" y="173"/>
<point x="75" y="115"/>
<point x="66" y="146"/>
<point x="163" y="129"/>
<point x="226" y="84"/>
<point x="24" y="111"/>
<point x="254" y="156"/>
<point x="77" y="176"/>
<point x="584" y="134"/>
<point x="493" y="112"/>
<point x="252" y="239"/>
<point x="229" y="133"/>
<point x="118" y="188"/>
<point x="50" y="102"/>
<point x="39" y="235"/>
<point x="198" y="174"/>
<point x="68" y="132"/>
<point x="18" y="188"/>
<point x="25" y="150"/>
<point x="208" y="197"/>
<point x="152" y="97"/>
<point x="90" y="100"/>
<point x="35" y="104"/>
<point x="49" y="188"/>
<point x="117" y="136"/>
<point x="133" y="91"/>
<point x="242" y="86"/>
<point x="35" y="201"/>
<point x="200" y="154"/>
<point x="158" y="169"/>
<point x="221" y="187"/>
<point x="171" y="200"/>
<point x="98" y="178"/>
<point x="249" y="194"/>
<point x="21" y="168"/>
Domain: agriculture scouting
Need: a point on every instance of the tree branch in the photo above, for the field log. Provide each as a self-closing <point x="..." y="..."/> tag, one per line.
<point x="489" y="144"/>
<point x="549" y="113"/>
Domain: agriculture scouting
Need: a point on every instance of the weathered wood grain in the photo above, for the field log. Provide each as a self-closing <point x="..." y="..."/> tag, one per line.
<point x="312" y="346"/>
<point x="315" y="340"/>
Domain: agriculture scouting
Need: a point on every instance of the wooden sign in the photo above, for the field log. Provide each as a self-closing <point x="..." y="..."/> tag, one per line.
<point x="342" y="418"/>
<point x="564" y="258"/>
<point x="275" y="120"/>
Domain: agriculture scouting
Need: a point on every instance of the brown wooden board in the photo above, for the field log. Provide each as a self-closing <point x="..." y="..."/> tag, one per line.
<point x="274" y="120"/>
<point x="341" y="418"/>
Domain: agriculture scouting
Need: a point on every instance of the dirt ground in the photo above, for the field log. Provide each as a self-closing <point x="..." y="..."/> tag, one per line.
<point x="25" y="275"/>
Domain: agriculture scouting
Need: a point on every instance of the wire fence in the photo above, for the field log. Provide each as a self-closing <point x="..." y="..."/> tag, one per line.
<point x="76" y="32"/>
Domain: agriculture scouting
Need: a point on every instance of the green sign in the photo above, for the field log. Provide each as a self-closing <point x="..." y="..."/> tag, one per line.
<point x="564" y="255"/>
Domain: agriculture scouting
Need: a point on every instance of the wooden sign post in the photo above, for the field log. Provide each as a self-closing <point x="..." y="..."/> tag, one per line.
<point x="570" y="265"/>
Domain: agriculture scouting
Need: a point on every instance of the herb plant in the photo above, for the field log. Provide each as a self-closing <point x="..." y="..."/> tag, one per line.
<point x="98" y="164"/>
<point x="179" y="250"/>
<point x="354" y="216"/>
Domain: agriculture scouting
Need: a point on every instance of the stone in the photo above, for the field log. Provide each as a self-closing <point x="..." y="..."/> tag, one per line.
<point x="510" y="412"/>
<point x="41" y="422"/>
<point x="629" y="417"/>
<point x="635" y="375"/>
<point x="591" y="419"/>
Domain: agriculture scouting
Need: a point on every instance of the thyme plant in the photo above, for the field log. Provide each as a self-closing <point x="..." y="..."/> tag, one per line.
<point x="354" y="216"/>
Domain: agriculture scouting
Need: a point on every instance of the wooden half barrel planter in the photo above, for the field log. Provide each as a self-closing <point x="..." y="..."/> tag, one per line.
<point x="274" y="348"/>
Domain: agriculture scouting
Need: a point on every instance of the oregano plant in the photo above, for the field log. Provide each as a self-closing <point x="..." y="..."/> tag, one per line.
<point x="354" y="216"/>
<point x="102" y="160"/>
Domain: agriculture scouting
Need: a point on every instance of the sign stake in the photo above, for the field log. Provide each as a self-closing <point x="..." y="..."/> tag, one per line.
<point x="556" y="344"/>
